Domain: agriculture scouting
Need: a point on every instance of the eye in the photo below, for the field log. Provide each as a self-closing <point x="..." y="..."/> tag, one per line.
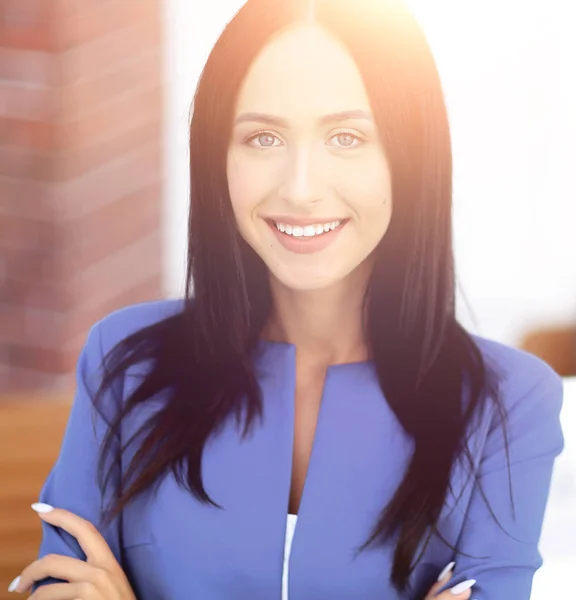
<point x="263" y="139"/>
<point x="345" y="139"/>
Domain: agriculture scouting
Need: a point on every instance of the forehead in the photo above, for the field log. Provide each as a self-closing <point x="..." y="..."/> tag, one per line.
<point x="303" y="72"/>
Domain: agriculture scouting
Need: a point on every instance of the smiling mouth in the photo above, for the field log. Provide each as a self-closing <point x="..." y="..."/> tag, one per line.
<point x="304" y="232"/>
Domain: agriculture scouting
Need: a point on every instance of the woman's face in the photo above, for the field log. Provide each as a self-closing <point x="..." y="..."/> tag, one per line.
<point x="307" y="174"/>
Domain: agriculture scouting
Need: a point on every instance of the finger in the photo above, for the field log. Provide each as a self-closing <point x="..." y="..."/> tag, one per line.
<point x="91" y="541"/>
<point x="56" y="566"/>
<point x="462" y="591"/>
<point x="448" y="595"/>
<point x="64" y="591"/>
<point x="442" y="580"/>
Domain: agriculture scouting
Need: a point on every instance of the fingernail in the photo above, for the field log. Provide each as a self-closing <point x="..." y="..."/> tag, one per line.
<point x="15" y="583"/>
<point x="40" y="507"/>
<point x="445" y="571"/>
<point x="462" y="587"/>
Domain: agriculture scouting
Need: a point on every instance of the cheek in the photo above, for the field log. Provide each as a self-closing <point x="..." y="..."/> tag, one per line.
<point x="246" y="186"/>
<point x="367" y="187"/>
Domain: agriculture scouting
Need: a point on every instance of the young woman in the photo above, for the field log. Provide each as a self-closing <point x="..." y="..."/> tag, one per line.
<point x="312" y="422"/>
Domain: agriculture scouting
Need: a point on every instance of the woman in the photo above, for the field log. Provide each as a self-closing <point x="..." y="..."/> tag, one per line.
<point x="318" y="383"/>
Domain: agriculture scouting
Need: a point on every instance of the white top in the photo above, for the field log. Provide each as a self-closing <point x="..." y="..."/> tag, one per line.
<point x="290" y="527"/>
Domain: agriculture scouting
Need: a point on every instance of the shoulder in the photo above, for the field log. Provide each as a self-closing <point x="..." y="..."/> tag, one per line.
<point x="530" y="391"/>
<point x="104" y="335"/>
<point x="121" y="323"/>
<point x="518" y="371"/>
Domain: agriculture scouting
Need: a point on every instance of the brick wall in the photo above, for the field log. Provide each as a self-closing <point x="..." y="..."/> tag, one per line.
<point x="80" y="176"/>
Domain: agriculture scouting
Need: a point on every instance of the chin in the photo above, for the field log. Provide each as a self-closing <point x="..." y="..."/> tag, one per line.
<point x="308" y="281"/>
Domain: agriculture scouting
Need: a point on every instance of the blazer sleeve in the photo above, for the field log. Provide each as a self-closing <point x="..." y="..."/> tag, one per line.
<point x="499" y="540"/>
<point x="72" y="484"/>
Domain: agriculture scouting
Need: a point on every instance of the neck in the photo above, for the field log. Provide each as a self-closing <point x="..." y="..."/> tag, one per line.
<point x="325" y="325"/>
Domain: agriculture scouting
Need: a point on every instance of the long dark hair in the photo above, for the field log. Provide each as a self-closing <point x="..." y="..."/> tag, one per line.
<point x="423" y="356"/>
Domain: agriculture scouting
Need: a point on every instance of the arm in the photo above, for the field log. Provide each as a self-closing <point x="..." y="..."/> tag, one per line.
<point x="72" y="483"/>
<point x="504" y="559"/>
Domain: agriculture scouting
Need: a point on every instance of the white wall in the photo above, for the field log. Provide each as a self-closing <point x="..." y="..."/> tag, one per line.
<point x="509" y="76"/>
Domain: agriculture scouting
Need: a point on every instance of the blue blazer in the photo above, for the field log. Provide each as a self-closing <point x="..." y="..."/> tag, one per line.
<point x="172" y="547"/>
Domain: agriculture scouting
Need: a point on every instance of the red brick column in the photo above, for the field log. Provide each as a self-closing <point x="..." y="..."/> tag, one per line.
<point x="80" y="176"/>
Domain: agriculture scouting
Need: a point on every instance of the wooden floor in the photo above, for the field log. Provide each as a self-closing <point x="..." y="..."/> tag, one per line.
<point x="31" y="432"/>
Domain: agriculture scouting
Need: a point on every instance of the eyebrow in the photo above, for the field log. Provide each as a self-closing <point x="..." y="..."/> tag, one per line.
<point x="326" y="119"/>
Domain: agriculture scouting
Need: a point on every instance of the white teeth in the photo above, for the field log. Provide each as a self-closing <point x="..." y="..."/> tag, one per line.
<point x="309" y="230"/>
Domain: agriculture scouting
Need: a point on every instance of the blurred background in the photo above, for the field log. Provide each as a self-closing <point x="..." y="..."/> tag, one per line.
<point x="94" y="105"/>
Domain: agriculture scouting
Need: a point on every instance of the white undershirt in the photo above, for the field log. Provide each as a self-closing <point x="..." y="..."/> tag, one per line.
<point x="290" y="527"/>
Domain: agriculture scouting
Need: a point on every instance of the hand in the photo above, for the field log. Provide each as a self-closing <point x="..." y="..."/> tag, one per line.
<point x="462" y="591"/>
<point x="100" y="577"/>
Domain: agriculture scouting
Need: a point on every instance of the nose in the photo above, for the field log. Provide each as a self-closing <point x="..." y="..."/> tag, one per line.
<point x="301" y="184"/>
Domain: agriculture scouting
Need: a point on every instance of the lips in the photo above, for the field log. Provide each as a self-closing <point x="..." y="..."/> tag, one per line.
<point x="302" y="222"/>
<point x="306" y="244"/>
<point x="307" y="231"/>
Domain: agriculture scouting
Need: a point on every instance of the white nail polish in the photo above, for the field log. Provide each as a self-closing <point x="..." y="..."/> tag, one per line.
<point x="445" y="571"/>
<point x="41" y="507"/>
<point x="462" y="587"/>
<point x="15" y="583"/>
